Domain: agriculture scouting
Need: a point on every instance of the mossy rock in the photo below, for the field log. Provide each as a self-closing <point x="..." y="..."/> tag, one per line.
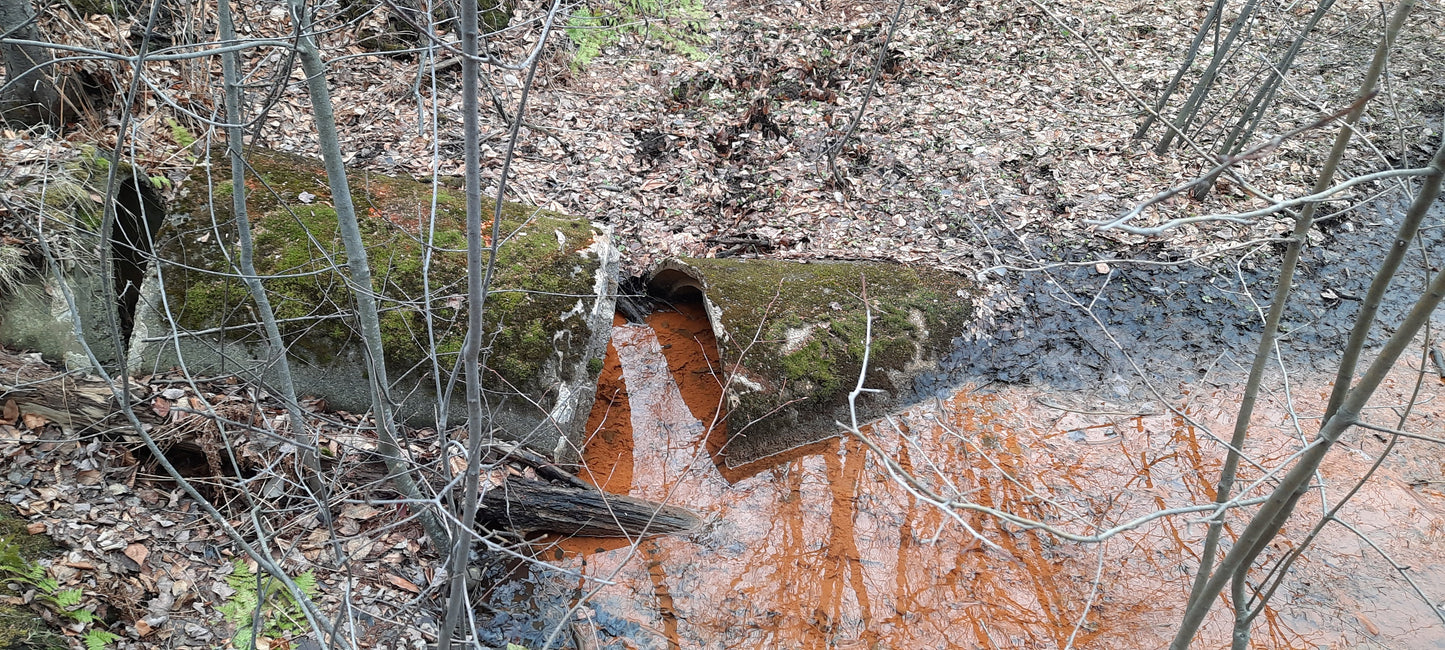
<point x="796" y="332"/>
<point x="548" y="316"/>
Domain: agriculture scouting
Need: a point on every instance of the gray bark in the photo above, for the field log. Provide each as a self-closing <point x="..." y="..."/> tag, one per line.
<point x="1345" y="406"/>
<point x="1206" y="81"/>
<point x="388" y="445"/>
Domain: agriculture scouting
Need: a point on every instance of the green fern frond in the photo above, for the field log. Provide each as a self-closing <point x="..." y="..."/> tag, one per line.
<point x="97" y="639"/>
<point x="306" y="582"/>
<point x="49" y="593"/>
<point x="238" y="608"/>
<point x="67" y="598"/>
<point x="280" y="612"/>
<point x="241" y="578"/>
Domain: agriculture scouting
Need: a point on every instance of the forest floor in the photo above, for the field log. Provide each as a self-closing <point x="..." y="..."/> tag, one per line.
<point x="996" y="133"/>
<point x="1010" y="111"/>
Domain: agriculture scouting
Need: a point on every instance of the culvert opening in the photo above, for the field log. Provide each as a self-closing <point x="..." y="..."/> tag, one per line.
<point x="677" y="285"/>
<point x="662" y="376"/>
<point x="139" y="213"/>
<point x="54" y="232"/>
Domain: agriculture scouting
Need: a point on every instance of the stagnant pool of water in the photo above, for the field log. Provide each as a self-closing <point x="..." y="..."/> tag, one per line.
<point x="824" y="548"/>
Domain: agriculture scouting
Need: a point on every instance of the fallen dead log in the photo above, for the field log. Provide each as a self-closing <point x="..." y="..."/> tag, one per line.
<point x="528" y="506"/>
<point x="73" y="400"/>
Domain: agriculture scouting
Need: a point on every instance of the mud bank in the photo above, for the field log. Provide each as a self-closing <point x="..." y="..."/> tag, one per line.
<point x="1181" y="322"/>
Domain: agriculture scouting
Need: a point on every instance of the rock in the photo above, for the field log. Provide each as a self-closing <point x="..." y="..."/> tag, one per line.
<point x="548" y="317"/>
<point x="795" y="334"/>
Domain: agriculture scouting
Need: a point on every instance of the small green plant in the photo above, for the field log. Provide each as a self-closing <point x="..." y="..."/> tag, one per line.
<point x="180" y="134"/>
<point x="18" y="570"/>
<point x="185" y="139"/>
<point x="279" y="612"/>
<point x="678" y="24"/>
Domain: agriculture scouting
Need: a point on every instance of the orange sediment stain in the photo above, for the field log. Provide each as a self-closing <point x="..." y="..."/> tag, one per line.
<point x="820" y="548"/>
<point x="607" y="447"/>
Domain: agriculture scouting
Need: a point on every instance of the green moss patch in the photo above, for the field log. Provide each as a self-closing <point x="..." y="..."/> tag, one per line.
<point x="297" y="239"/>
<point x="545" y="281"/>
<point x="798" y="333"/>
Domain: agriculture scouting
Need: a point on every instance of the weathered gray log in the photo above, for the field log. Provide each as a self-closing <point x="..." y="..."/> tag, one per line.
<point x="528" y="506"/>
<point x="73" y="400"/>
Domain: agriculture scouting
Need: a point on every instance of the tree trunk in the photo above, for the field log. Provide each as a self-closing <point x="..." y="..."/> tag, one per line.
<point x="30" y="95"/>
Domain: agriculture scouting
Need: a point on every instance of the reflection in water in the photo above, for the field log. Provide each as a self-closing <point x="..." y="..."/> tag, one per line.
<point x="822" y="550"/>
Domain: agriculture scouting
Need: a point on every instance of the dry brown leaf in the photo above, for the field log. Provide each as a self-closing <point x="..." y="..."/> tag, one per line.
<point x="161" y="406"/>
<point x="36" y="528"/>
<point x="359" y="511"/>
<point x="142" y="628"/>
<point x="34" y="422"/>
<point x="1369" y="625"/>
<point x="402" y="583"/>
<point x="137" y="552"/>
<point x="10" y="412"/>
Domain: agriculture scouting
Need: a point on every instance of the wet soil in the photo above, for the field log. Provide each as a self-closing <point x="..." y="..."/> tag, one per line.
<point x="1180" y="321"/>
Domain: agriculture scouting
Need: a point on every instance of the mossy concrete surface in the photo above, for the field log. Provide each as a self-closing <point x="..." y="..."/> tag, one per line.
<point x="38" y="317"/>
<point x="66" y="205"/>
<point x="548" y="316"/>
<point x="793" y="335"/>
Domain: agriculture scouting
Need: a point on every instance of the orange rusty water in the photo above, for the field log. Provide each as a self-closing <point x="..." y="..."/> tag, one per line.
<point x="821" y="549"/>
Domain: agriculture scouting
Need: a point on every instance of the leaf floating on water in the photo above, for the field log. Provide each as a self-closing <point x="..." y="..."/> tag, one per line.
<point x="1369" y="625"/>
